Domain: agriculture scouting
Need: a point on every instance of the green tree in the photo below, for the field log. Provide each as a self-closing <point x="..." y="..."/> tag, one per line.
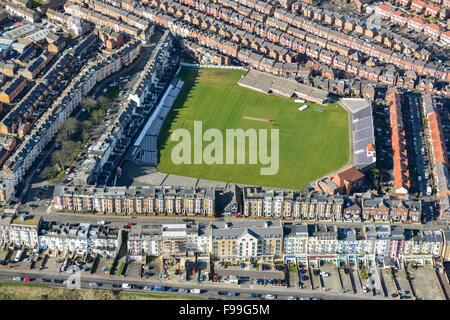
<point x="375" y="172"/>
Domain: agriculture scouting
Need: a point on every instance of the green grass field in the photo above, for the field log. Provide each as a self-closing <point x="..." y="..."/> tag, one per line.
<point x="312" y="144"/>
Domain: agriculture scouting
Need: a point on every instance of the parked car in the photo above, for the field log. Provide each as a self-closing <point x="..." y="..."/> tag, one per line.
<point x="46" y="280"/>
<point x="292" y="298"/>
<point x="27" y="279"/>
<point x="305" y="298"/>
<point x="183" y="290"/>
<point x="172" y="290"/>
<point x="324" y="274"/>
<point x="58" y="281"/>
<point x="242" y="265"/>
<point x="221" y="293"/>
<point x="271" y="297"/>
<point x="256" y="295"/>
<point x="148" y="288"/>
<point x="232" y="294"/>
<point x="221" y="266"/>
<point x="93" y="284"/>
<point x="17" y="278"/>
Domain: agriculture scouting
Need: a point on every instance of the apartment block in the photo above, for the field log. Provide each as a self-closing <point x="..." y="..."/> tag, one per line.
<point x="247" y="241"/>
<point x="132" y="200"/>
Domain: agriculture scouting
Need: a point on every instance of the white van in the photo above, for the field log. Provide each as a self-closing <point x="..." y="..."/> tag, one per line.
<point x="195" y="291"/>
<point x="126" y="286"/>
<point x="101" y="222"/>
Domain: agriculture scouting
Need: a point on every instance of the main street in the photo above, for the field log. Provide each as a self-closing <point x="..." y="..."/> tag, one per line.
<point x="209" y="290"/>
<point x="120" y="221"/>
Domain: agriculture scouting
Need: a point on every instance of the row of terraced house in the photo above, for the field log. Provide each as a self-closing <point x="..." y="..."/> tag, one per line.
<point x="265" y="203"/>
<point x="43" y="131"/>
<point x="238" y="241"/>
<point x="439" y="154"/>
<point x="218" y="26"/>
<point x="132" y="200"/>
<point x="416" y="23"/>
<point x="398" y="139"/>
<point x="307" y="244"/>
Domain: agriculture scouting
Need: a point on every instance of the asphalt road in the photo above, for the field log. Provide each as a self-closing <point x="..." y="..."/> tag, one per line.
<point x="209" y="290"/>
<point x="414" y="117"/>
<point x="120" y="221"/>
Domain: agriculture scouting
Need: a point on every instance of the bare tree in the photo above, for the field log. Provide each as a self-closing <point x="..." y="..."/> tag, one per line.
<point x="89" y="103"/>
<point x="103" y="102"/>
<point x="70" y="127"/>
